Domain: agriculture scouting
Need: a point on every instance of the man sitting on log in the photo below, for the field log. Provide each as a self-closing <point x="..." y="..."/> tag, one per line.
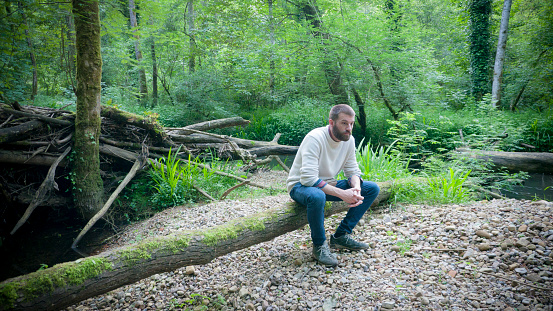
<point x="323" y="153"/>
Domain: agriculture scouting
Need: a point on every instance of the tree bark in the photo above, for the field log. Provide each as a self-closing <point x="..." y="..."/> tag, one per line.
<point x="154" y="69"/>
<point x="479" y="36"/>
<point x="19" y="132"/>
<point x="532" y="162"/>
<point x="66" y="284"/>
<point x="86" y="167"/>
<point x="361" y="116"/>
<point x="34" y="89"/>
<point x="143" y="87"/>
<point x="500" y="54"/>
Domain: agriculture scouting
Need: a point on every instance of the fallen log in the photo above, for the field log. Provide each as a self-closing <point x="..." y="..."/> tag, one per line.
<point x="19" y="132"/>
<point x="206" y="138"/>
<point x="68" y="283"/>
<point x="532" y="162"/>
<point x="26" y="157"/>
<point x="209" y="125"/>
<point x="53" y="121"/>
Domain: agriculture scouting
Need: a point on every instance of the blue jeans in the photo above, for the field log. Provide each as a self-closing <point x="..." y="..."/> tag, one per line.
<point x="314" y="199"/>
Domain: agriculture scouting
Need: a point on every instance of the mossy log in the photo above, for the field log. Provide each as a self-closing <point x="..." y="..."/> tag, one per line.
<point x="532" y="162"/>
<point x="68" y="283"/>
<point x="155" y="131"/>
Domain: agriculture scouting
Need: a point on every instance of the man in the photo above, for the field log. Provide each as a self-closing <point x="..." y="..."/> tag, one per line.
<point x="323" y="153"/>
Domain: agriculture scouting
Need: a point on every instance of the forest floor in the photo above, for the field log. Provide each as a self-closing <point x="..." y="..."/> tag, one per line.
<point x="485" y="255"/>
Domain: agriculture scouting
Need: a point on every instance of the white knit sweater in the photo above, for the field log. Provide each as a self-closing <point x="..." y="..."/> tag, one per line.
<point x="320" y="157"/>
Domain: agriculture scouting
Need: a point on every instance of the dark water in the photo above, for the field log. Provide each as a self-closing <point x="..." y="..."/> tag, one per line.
<point x="45" y="240"/>
<point x="537" y="187"/>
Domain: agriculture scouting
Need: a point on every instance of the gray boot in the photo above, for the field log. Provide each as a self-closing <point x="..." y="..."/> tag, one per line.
<point x="323" y="255"/>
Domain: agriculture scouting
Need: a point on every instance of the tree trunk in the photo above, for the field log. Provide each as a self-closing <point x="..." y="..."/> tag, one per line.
<point x="154" y="73"/>
<point x="479" y="37"/>
<point x="66" y="284"/>
<point x="500" y="54"/>
<point x="532" y="162"/>
<point x="86" y="165"/>
<point x="331" y="66"/>
<point x="34" y="89"/>
<point x="361" y="116"/>
<point x="192" y="41"/>
<point x="272" y="43"/>
<point x="141" y="71"/>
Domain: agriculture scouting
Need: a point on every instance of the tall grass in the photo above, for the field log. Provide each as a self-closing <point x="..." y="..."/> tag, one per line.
<point x="448" y="188"/>
<point x="381" y="164"/>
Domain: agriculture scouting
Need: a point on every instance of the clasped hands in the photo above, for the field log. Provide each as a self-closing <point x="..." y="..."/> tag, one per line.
<point x="353" y="197"/>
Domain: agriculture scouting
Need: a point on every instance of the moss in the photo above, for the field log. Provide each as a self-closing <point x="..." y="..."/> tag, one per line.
<point x="178" y="244"/>
<point x="141" y="251"/>
<point x="231" y="229"/>
<point x="144" y="249"/>
<point x="45" y="281"/>
<point x="8" y="295"/>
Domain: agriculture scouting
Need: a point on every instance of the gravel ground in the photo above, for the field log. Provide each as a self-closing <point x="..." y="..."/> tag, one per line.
<point x="487" y="255"/>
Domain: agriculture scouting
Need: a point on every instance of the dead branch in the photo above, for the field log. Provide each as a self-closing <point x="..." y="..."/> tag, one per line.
<point x="138" y="164"/>
<point x="210" y="125"/>
<point x="232" y="188"/>
<point x="205" y="194"/>
<point x="43" y="190"/>
<point x="39" y="117"/>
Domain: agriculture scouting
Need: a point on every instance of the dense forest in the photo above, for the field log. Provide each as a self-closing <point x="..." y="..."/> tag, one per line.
<point x="425" y="77"/>
<point x="190" y="60"/>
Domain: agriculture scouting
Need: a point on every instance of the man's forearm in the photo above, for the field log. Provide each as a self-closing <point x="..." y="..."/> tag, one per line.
<point x="355" y="182"/>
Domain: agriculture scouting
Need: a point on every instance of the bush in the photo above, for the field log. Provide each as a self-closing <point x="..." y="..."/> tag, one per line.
<point x="293" y="121"/>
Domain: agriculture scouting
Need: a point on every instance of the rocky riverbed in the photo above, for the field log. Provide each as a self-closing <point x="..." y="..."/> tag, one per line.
<point x="486" y="255"/>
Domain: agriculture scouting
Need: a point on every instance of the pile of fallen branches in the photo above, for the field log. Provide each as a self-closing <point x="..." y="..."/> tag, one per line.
<point x="35" y="144"/>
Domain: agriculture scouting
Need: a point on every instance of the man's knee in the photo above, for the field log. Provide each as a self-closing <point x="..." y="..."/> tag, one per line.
<point x="316" y="197"/>
<point x="369" y="187"/>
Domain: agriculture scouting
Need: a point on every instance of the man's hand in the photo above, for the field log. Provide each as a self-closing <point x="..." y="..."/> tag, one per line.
<point x="352" y="196"/>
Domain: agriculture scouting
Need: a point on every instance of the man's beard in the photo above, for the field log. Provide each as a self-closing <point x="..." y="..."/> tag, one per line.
<point x="341" y="136"/>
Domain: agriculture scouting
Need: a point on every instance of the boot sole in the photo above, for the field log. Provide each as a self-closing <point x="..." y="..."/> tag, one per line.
<point x="324" y="264"/>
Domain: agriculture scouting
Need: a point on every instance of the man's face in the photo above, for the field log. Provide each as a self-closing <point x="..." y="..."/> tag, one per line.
<point x="342" y="127"/>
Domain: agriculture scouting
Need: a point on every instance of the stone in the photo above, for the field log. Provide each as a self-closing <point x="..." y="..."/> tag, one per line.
<point x="522" y="242"/>
<point x="523" y="228"/>
<point x="521" y="270"/>
<point x="484" y="247"/>
<point x="533" y="277"/>
<point x="452" y="273"/>
<point x="243" y="292"/>
<point x="425" y="301"/>
<point x="250" y="306"/>
<point x="483" y="234"/>
<point x="512" y="228"/>
<point x="395" y="248"/>
<point x="468" y="253"/>
<point x="190" y="270"/>
<point x="388" y="305"/>
<point x="233" y="289"/>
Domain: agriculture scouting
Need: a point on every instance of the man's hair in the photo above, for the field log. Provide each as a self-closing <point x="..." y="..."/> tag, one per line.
<point x="342" y="108"/>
